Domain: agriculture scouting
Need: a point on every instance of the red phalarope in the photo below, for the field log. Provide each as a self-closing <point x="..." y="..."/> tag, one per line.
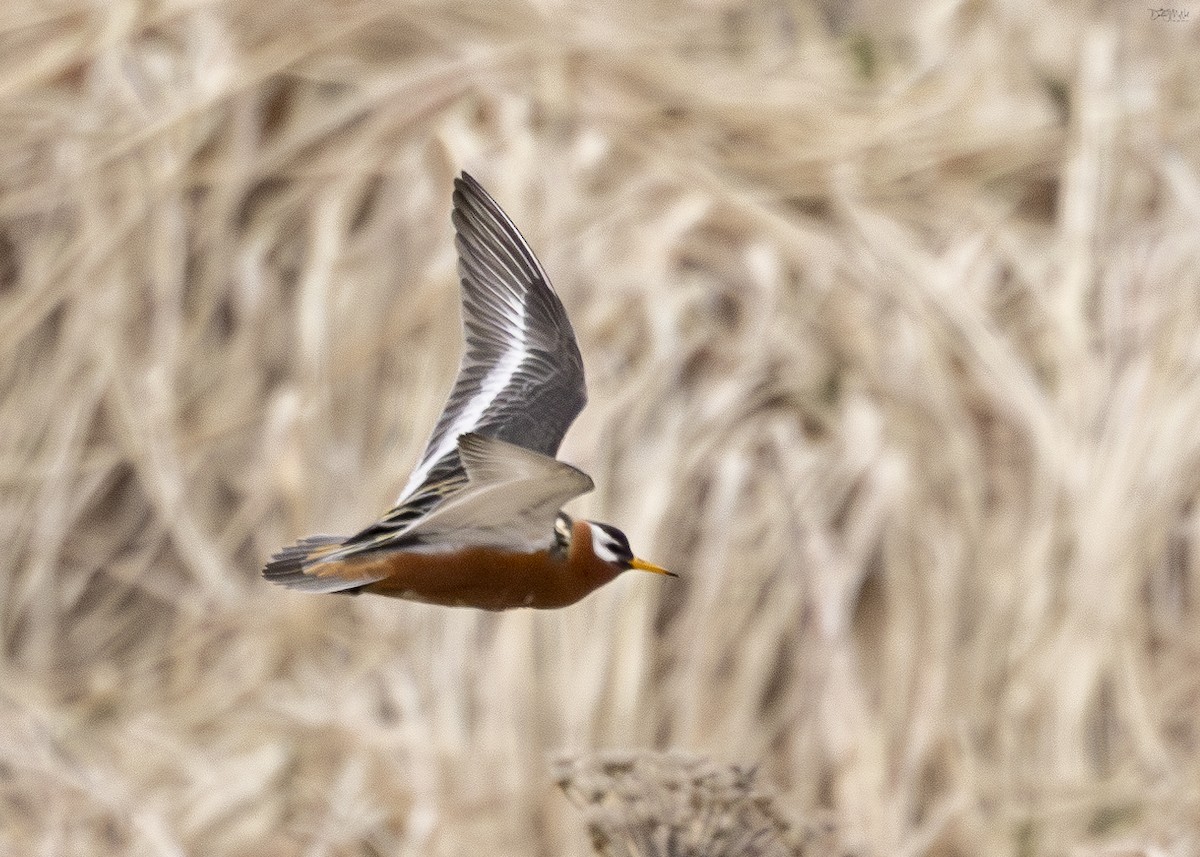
<point x="479" y="523"/>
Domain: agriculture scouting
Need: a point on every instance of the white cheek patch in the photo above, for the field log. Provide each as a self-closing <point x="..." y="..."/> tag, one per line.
<point x="604" y="550"/>
<point x="605" y="547"/>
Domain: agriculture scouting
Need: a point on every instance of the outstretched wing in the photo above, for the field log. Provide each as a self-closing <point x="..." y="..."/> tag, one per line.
<point x="521" y="377"/>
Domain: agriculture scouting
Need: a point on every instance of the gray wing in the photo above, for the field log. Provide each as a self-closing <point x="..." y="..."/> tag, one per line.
<point x="521" y="376"/>
<point x="511" y="500"/>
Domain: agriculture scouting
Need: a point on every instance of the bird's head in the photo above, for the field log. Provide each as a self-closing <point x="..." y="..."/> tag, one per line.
<point x="611" y="546"/>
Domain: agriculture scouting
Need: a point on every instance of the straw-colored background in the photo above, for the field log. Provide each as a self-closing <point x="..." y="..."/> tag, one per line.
<point x="890" y="319"/>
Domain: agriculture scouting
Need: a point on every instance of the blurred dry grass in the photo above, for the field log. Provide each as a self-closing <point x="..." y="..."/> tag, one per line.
<point x="890" y="318"/>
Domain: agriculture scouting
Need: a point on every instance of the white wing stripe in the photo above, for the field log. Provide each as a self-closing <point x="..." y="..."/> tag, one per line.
<point x="492" y="385"/>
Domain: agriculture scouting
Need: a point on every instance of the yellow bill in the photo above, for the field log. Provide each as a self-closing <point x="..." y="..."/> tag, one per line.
<point x="642" y="565"/>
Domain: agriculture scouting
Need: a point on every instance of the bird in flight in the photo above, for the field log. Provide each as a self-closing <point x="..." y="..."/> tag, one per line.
<point x="480" y="522"/>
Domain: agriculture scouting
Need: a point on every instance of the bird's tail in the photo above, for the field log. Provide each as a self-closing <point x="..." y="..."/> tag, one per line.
<point x="290" y="567"/>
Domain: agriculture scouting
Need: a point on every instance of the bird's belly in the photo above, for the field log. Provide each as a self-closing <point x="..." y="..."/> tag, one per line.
<point x="484" y="578"/>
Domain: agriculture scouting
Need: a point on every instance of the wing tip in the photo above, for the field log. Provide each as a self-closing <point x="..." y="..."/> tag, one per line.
<point x="466" y="186"/>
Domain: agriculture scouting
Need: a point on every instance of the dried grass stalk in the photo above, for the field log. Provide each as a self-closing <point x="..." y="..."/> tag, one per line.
<point x="672" y="805"/>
